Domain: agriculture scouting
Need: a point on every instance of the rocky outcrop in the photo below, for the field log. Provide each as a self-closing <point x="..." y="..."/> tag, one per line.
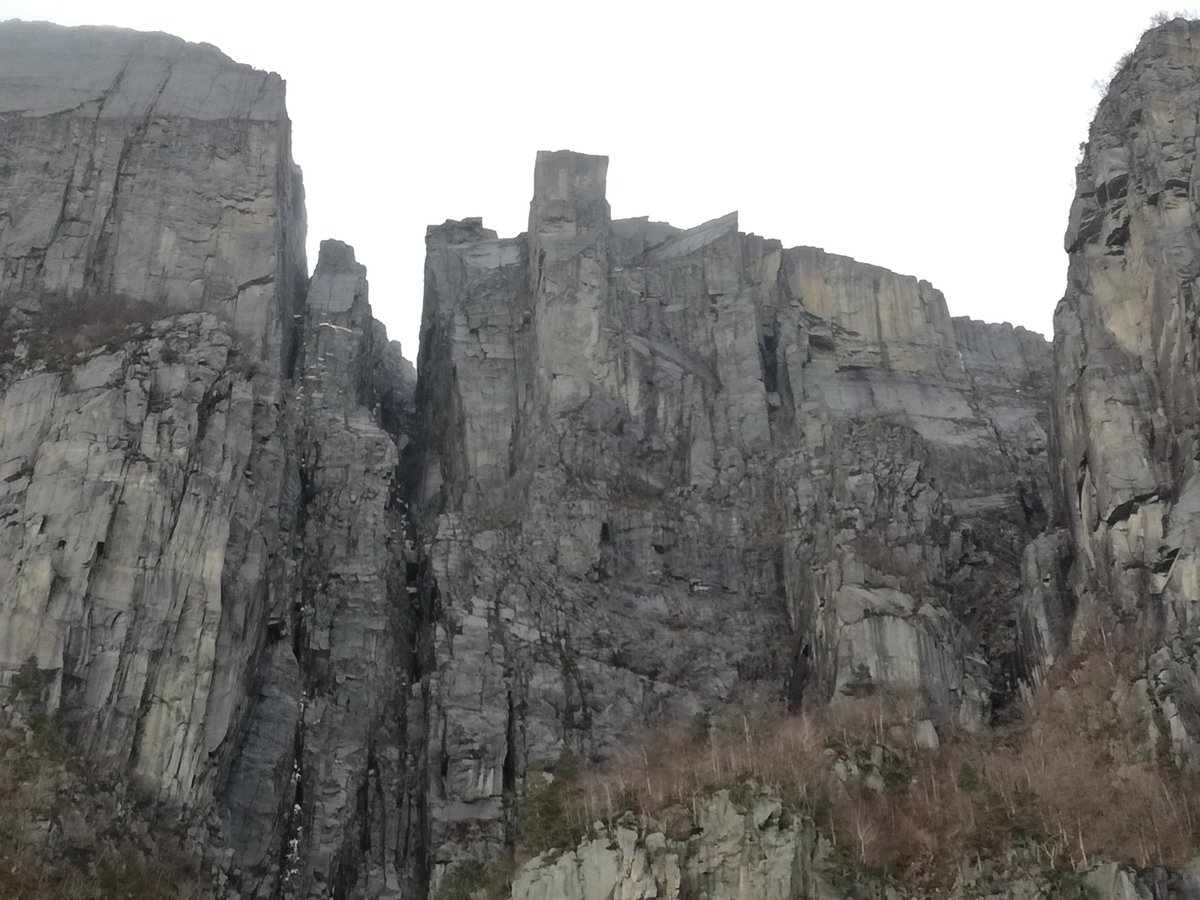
<point x="662" y="465"/>
<point x="145" y="466"/>
<point x="141" y="497"/>
<point x="315" y="752"/>
<point x="756" y="851"/>
<point x="1125" y="395"/>
<point x="651" y="471"/>
<point x="759" y="853"/>
<point x="204" y="537"/>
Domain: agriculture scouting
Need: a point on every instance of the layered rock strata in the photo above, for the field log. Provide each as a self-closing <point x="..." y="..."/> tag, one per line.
<point x="651" y="470"/>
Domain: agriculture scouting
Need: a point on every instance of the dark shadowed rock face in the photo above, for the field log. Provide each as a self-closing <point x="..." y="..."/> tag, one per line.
<point x="665" y="466"/>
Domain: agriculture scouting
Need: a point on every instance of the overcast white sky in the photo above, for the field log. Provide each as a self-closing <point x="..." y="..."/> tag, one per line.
<point x="937" y="139"/>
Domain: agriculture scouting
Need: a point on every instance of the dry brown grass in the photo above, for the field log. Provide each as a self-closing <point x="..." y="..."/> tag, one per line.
<point x="68" y="833"/>
<point x="1071" y="781"/>
<point x="62" y="328"/>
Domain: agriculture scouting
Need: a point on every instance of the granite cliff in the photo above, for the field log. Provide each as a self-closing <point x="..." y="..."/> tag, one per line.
<point x="1124" y="470"/>
<point x="203" y="527"/>
<point x="358" y="628"/>
<point x="664" y="467"/>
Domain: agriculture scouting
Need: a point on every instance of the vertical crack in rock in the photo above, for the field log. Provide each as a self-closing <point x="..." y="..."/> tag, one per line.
<point x="347" y="639"/>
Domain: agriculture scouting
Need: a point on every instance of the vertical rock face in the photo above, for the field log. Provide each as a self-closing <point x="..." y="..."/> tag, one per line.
<point x="142" y="166"/>
<point x="140" y="496"/>
<point x="663" y="466"/>
<point x="1125" y="405"/>
<point x="203" y="533"/>
<point x="144" y="475"/>
<point x="146" y="465"/>
<point x="312" y="764"/>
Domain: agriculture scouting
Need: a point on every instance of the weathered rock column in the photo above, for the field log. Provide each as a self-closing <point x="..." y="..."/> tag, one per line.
<point x="568" y="275"/>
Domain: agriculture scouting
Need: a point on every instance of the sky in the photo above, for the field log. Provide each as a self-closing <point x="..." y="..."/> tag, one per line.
<point x="936" y="139"/>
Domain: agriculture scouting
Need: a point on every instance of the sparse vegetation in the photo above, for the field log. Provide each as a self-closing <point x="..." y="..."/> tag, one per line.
<point x="1160" y="18"/>
<point x="1070" y="782"/>
<point x="462" y="881"/>
<point x="542" y="822"/>
<point x="58" y="329"/>
<point x="26" y="684"/>
<point x="1163" y="16"/>
<point x="472" y="879"/>
<point x="68" y="832"/>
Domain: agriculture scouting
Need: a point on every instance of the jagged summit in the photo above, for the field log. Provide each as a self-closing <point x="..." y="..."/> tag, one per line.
<point x="703" y="464"/>
<point x="566" y="182"/>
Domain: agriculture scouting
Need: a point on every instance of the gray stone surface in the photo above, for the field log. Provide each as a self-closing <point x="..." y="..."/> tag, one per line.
<point x="760" y="854"/>
<point x="203" y="541"/>
<point x="649" y="467"/>
<point x="661" y="465"/>
<point x="141" y="495"/>
<point x="328" y="694"/>
<point x="144" y="166"/>
<point x="1125" y="474"/>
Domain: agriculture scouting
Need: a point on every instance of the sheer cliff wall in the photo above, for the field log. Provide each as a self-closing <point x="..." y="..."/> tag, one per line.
<point x="203" y="532"/>
<point x="662" y="467"/>
<point x="1125" y="407"/>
